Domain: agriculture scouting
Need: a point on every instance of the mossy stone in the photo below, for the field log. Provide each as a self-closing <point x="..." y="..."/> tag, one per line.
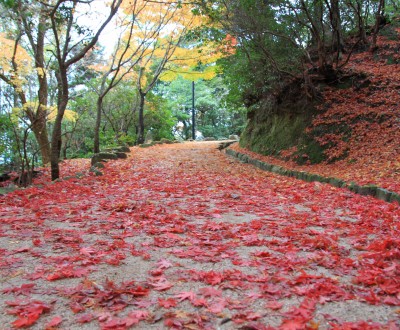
<point x="98" y="165"/>
<point x="101" y="156"/>
<point x="121" y="155"/>
<point x="146" y="145"/>
<point x="122" y="149"/>
<point x="395" y="198"/>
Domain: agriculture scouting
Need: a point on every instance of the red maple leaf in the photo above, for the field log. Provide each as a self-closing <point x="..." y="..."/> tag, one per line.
<point x="185" y="295"/>
<point x="161" y="284"/>
<point x="217" y="306"/>
<point x="27" y="311"/>
<point x="292" y="325"/>
<point x="167" y="303"/>
<point x="211" y="292"/>
<point x="24" y="289"/>
<point x="274" y="305"/>
<point x="213" y="277"/>
<point x="55" y="321"/>
<point x="164" y="264"/>
<point x="85" y="318"/>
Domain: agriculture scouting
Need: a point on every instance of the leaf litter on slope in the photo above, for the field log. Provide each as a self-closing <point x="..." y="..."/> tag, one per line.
<point x="181" y="236"/>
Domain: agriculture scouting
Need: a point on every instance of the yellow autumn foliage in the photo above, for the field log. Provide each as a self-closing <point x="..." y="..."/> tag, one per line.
<point x="207" y="74"/>
<point x="69" y="115"/>
<point x="17" y="113"/>
<point x="159" y="28"/>
<point x="22" y="61"/>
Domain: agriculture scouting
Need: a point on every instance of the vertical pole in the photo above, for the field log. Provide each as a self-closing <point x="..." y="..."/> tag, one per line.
<point x="193" y="115"/>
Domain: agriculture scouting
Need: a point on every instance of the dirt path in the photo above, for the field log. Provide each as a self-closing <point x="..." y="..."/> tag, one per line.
<point x="184" y="237"/>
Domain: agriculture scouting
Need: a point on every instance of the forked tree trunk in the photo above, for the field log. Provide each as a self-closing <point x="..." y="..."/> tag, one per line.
<point x="361" y="23"/>
<point x="379" y="16"/>
<point x="40" y="131"/>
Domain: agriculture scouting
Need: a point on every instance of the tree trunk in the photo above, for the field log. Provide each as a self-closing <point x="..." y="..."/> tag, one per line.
<point x="361" y="25"/>
<point x="140" y="133"/>
<point x="56" y="135"/>
<point x="41" y="118"/>
<point x="64" y="146"/>
<point x="65" y="59"/>
<point x="39" y="124"/>
<point x="337" y="43"/>
<point x="96" y="148"/>
<point x="55" y="149"/>
<point x="379" y="16"/>
<point x="39" y="129"/>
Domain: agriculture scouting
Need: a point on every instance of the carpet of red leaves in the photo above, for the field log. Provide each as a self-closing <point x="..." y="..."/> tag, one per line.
<point x="183" y="237"/>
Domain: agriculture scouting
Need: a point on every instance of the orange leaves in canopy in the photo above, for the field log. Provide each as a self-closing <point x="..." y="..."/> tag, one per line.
<point x="228" y="45"/>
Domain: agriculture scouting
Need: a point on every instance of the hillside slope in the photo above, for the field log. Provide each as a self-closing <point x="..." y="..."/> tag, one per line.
<point x="353" y="133"/>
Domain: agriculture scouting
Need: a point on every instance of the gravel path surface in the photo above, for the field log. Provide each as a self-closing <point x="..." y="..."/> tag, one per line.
<point x="183" y="237"/>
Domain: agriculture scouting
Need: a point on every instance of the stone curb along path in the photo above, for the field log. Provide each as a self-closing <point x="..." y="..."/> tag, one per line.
<point x="371" y="190"/>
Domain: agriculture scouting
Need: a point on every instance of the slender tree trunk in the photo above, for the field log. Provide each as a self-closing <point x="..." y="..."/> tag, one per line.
<point x="64" y="147"/>
<point x="140" y="133"/>
<point x="38" y="121"/>
<point x="315" y="18"/>
<point x="96" y="141"/>
<point x="55" y="148"/>
<point x="361" y="25"/>
<point x="319" y="33"/>
<point x="39" y="127"/>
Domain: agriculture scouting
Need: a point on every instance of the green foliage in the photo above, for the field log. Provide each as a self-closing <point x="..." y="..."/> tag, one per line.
<point x="8" y="3"/>
<point x="7" y="142"/>
<point x="159" y="118"/>
<point x="78" y="137"/>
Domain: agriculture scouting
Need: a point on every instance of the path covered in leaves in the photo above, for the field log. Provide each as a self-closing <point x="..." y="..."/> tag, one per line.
<point x="184" y="237"/>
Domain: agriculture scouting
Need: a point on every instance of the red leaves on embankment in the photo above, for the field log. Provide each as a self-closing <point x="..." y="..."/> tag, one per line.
<point x="182" y="237"/>
<point x="358" y="122"/>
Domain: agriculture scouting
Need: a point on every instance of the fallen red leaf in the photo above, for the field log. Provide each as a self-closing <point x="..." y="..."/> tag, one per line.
<point x="55" y="321"/>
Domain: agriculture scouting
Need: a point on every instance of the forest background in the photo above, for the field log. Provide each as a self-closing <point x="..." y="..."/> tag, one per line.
<point x="255" y="64"/>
